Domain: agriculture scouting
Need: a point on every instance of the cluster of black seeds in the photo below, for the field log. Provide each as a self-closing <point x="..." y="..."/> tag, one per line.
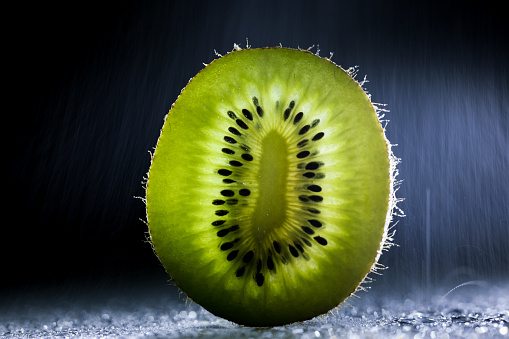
<point x="252" y="262"/>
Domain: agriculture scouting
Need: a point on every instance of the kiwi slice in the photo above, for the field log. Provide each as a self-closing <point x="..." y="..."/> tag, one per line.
<point x="269" y="193"/>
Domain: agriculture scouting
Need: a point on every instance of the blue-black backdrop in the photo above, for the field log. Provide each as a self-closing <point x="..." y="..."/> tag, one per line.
<point x="90" y="83"/>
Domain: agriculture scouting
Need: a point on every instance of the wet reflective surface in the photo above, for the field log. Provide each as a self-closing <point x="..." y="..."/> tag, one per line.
<point x="148" y="312"/>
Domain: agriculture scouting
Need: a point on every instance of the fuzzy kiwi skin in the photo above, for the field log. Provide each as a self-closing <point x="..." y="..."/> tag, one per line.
<point x="179" y="193"/>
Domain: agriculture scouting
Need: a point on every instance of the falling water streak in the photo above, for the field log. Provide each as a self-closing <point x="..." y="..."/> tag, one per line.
<point x="428" y="244"/>
<point x="480" y="283"/>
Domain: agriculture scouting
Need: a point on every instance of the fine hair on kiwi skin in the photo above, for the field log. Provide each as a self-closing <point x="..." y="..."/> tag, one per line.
<point x="269" y="198"/>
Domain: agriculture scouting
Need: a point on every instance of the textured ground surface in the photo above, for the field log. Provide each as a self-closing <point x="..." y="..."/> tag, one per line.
<point x="152" y="312"/>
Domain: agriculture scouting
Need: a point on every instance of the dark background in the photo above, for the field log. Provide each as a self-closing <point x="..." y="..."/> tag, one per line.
<point x="89" y="86"/>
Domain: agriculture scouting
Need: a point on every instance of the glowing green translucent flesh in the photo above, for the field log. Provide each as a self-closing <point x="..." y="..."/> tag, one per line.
<point x="184" y="181"/>
<point x="271" y="204"/>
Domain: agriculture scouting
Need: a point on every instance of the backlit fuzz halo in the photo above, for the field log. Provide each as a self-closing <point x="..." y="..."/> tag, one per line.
<point x="272" y="187"/>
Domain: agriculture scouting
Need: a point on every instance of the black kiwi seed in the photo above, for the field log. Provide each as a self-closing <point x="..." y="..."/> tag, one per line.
<point x="309" y="175"/>
<point x="244" y="192"/>
<point x="315" y="223"/>
<point x="230" y="140"/>
<point x="218" y="202"/>
<point x="302" y="154"/>
<point x="233" y="130"/>
<point x="223" y="232"/>
<point x="232" y="255"/>
<point x="312" y="166"/>
<point x="221" y="212"/>
<point x="218" y="222"/>
<point x="259" y="110"/>
<point x="277" y="248"/>
<point x="270" y="263"/>
<point x="240" y="272"/>
<point x="308" y="230"/>
<point x="227" y="151"/>
<point x="318" y="136"/>
<point x="236" y="163"/>
<point x="247" y="157"/>
<point x="313" y="210"/>
<point x="304" y="129"/>
<point x="248" y="256"/>
<point x="247" y="114"/>
<point x="302" y="143"/>
<point x="228" y="181"/>
<point x="224" y="172"/>
<point x="227" y="245"/>
<point x="298" y="117"/>
<point x="241" y="124"/>
<point x="227" y="193"/>
<point x="289" y="110"/>
<point x="320" y="240"/>
<point x="287" y="113"/>
<point x="259" y="279"/>
<point x="232" y="115"/>
<point x="303" y="198"/>
<point x="293" y="251"/>
<point x="314" y="188"/>
<point x="315" y="122"/>
<point x="316" y="198"/>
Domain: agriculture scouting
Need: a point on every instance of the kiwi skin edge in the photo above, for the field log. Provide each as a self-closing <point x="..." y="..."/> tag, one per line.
<point x="182" y="194"/>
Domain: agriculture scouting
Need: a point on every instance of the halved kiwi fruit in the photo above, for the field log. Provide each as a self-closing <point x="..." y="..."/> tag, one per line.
<point x="269" y="193"/>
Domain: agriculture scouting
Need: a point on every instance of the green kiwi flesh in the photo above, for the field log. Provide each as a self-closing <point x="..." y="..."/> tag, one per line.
<point x="268" y="196"/>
